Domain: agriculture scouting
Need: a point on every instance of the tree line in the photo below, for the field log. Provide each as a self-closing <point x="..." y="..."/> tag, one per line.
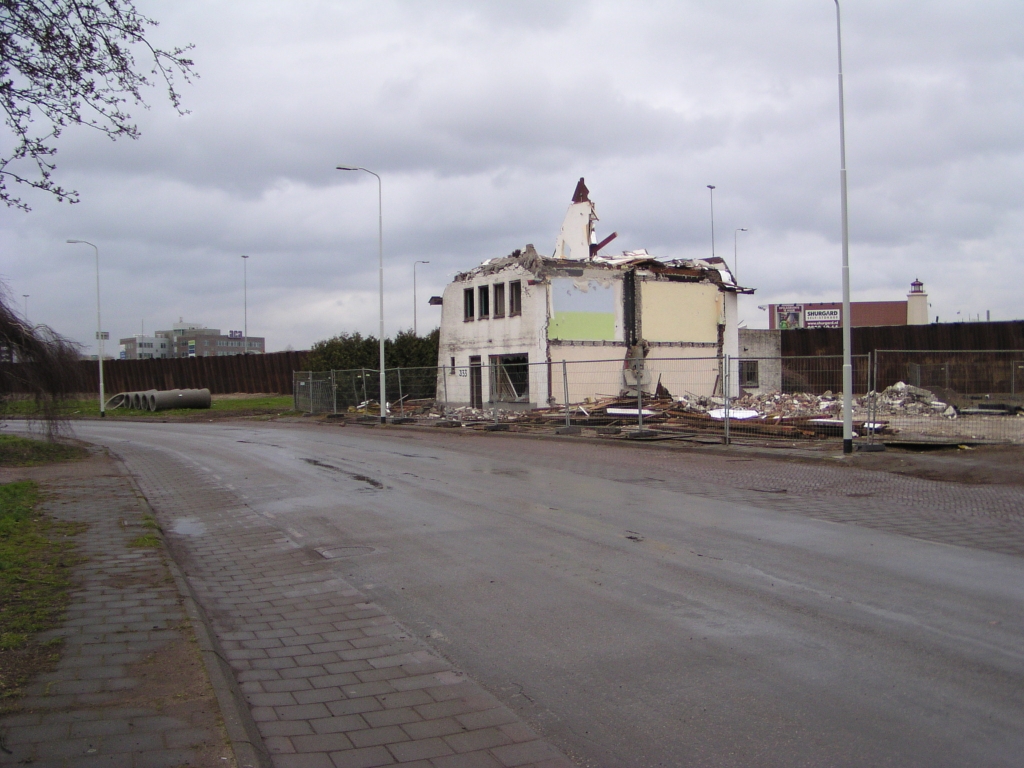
<point x="349" y="351"/>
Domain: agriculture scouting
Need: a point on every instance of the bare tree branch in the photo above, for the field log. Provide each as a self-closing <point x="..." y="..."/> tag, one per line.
<point x="72" y="62"/>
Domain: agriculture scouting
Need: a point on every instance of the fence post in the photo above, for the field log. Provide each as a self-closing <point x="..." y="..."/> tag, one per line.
<point x="334" y="392"/>
<point x="565" y="389"/>
<point x="311" y="392"/>
<point x="725" y="391"/>
<point x="444" y="382"/>
<point x="401" y="399"/>
<point x="639" y="398"/>
<point x="295" y="391"/>
<point x="362" y="376"/>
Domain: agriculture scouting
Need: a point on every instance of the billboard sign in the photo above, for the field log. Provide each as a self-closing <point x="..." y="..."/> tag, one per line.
<point x="823" y="318"/>
<point x="789" y="316"/>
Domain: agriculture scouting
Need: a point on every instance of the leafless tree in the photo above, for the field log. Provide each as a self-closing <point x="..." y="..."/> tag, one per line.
<point x="72" y="62"/>
<point x="39" y="363"/>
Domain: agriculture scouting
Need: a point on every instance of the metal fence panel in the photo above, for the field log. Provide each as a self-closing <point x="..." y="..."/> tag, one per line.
<point x="899" y="395"/>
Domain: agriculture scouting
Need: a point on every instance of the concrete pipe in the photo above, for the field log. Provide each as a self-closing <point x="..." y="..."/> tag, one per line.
<point x="181" y="398"/>
<point x="136" y="400"/>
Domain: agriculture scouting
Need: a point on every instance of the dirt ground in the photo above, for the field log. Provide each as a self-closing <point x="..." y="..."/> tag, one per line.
<point x="981" y="465"/>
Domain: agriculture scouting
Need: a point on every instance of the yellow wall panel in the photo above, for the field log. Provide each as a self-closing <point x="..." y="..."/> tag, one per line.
<point x="680" y="311"/>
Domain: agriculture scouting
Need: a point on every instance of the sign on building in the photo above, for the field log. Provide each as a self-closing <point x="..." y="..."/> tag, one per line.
<point x="789" y="316"/>
<point x="822" y="318"/>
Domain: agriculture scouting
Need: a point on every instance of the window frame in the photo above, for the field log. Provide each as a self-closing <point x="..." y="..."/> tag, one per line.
<point x="483" y="301"/>
<point x="468" y="305"/>
<point x="515" y="298"/>
<point x="498" y="310"/>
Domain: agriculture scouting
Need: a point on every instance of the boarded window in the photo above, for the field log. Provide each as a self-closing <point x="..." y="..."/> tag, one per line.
<point x="515" y="298"/>
<point x="484" y="294"/>
<point x="748" y="374"/>
<point x="467" y="311"/>
<point x="499" y="299"/>
<point x="510" y="378"/>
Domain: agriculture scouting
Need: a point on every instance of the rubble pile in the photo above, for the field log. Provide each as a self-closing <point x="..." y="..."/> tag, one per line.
<point x="906" y="399"/>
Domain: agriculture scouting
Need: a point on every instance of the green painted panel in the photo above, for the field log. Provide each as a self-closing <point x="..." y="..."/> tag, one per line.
<point x="582" y="326"/>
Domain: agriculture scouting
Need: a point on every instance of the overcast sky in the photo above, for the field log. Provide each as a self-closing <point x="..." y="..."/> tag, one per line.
<point x="481" y="116"/>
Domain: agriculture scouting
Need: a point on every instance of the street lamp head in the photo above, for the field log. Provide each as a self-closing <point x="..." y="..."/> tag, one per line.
<point x="711" y="186"/>
<point x="245" y="256"/>
<point x="73" y="242"/>
<point x="742" y="229"/>
<point x="347" y="168"/>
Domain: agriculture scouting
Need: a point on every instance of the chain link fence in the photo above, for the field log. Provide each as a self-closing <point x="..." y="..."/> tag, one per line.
<point x="898" y="396"/>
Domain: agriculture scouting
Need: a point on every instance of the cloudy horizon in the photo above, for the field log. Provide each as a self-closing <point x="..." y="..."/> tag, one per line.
<point x="481" y="116"/>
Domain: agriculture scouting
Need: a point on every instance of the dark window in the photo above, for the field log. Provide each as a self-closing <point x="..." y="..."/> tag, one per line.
<point x="748" y="374"/>
<point x="484" y="300"/>
<point x="510" y="379"/>
<point x="499" y="299"/>
<point x="515" y="298"/>
<point x="467" y="312"/>
<point x="453" y="366"/>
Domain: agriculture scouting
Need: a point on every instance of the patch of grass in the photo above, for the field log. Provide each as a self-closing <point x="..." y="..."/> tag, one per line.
<point x="25" y="452"/>
<point x="36" y="553"/>
<point x="223" y="406"/>
<point x="145" y="540"/>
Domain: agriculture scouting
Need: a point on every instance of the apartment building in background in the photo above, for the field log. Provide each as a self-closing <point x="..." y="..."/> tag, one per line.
<point x="190" y="340"/>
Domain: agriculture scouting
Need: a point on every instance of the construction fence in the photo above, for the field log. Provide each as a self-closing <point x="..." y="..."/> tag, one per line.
<point x="898" y="395"/>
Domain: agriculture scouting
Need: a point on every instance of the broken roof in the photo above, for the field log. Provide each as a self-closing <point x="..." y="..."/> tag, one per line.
<point x="713" y="270"/>
<point x="577" y="236"/>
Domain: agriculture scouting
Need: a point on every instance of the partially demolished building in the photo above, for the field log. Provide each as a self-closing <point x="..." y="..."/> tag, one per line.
<point x="507" y="325"/>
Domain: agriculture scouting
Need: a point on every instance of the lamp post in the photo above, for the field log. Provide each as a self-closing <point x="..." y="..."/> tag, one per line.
<point x="380" y="260"/>
<point x="847" y="352"/>
<point x="735" y="262"/>
<point x="415" y="332"/>
<point x="245" y="304"/>
<point x="712" y="188"/>
<point x="99" y="326"/>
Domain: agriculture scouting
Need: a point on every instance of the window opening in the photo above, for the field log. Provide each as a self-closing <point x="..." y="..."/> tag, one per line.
<point x="499" y="299"/>
<point x="515" y="298"/>
<point x="748" y="374"/>
<point x="468" y="313"/>
<point x="484" y="292"/>
<point x="510" y="378"/>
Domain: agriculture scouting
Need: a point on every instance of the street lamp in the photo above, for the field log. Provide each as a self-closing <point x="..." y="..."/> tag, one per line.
<point x="99" y="327"/>
<point x="414" y="331"/>
<point x="380" y="259"/>
<point x="847" y="352"/>
<point x="245" y="305"/>
<point x="712" y="188"/>
<point x="735" y="262"/>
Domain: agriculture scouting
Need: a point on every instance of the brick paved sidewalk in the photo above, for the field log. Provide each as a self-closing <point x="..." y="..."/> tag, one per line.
<point x="130" y="690"/>
<point x="332" y="681"/>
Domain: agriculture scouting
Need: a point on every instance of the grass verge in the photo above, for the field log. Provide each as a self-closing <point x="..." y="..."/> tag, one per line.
<point x="24" y="452"/>
<point x="36" y="555"/>
<point x="223" y="406"/>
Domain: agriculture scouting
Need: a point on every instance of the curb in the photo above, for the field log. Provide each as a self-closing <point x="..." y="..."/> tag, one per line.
<point x="246" y="742"/>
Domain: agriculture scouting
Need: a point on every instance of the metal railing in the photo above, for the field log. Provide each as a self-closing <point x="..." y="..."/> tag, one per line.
<point x="898" y="396"/>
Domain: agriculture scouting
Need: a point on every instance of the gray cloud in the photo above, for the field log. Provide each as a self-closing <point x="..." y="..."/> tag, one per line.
<point x="480" y="116"/>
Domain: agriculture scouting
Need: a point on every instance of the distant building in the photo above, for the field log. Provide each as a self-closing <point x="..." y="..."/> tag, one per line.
<point x="913" y="311"/>
<point x="141" y="347"/>
<point x="190" y="340"/>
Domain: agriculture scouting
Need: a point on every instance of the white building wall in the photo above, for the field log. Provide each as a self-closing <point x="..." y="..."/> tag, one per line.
<point x="462" y="339"/>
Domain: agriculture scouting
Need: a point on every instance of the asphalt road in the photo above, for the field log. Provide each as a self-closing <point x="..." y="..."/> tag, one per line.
<point x="641" y="607"/>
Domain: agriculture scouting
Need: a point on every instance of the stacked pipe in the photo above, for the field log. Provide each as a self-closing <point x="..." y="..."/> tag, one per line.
<point x="161" y="400"/>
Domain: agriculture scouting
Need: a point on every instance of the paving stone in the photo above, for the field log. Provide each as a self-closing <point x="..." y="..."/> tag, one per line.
<point x="481" y="739"/>
<point x="419" y="750"/>
<point x="363" y="758"/>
